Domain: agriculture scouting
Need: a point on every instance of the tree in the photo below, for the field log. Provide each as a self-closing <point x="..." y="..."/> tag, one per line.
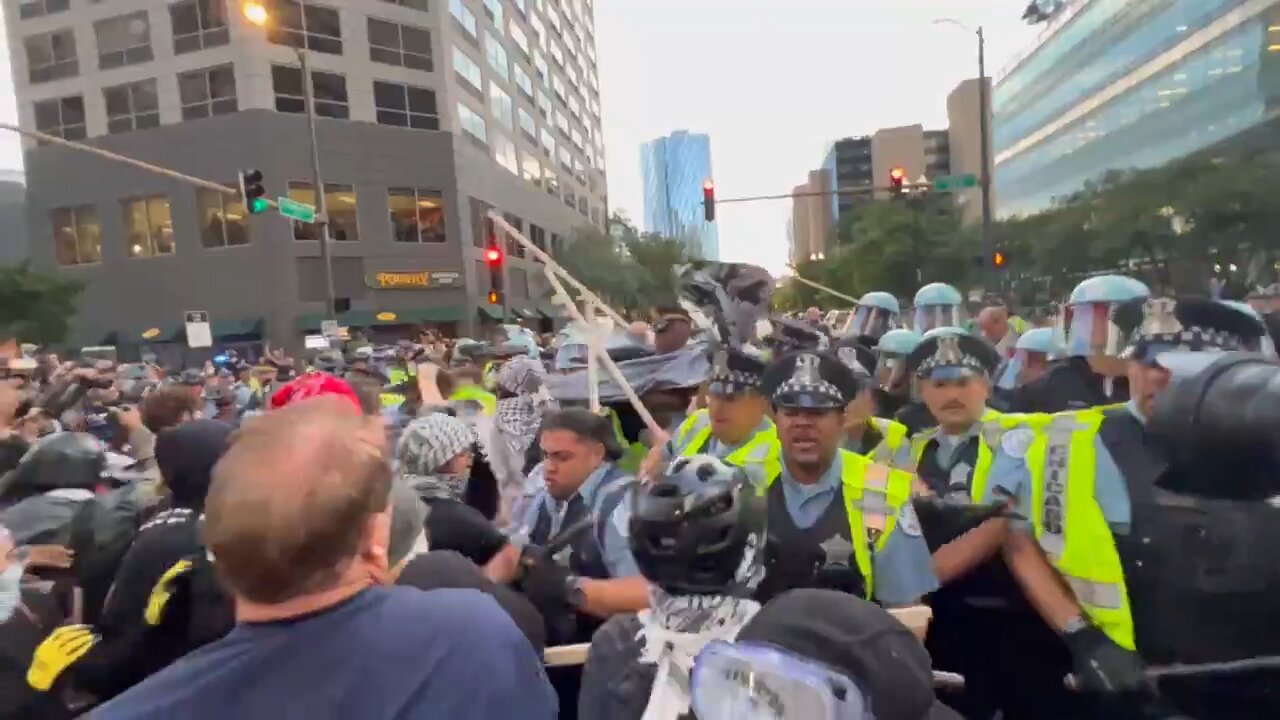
<point x="597" y="261"/>
<point x="36" y="306"/>
<point x="655" y="260"/>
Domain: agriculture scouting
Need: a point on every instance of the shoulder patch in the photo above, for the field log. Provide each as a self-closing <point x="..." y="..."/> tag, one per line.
<point x="1017" y="441"/>
<point x="907" y="520"/>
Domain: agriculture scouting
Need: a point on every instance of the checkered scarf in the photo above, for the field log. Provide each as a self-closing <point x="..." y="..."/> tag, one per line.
<point x="425" y="446"/>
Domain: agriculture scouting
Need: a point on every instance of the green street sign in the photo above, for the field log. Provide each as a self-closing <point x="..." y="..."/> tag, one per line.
<point x="950" y="183"/>
<point x="295" y="210"/>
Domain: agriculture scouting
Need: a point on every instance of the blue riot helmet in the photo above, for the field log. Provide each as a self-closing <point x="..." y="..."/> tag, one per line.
<point x="513" y="340"/>
<point x="1034" y="348"/>
<point x="892" y="352"/>
<point x="876" y="314"/>
<point x="937" y="305"/>
<point x="1088" y="320"/>
<point x="1263" y="345"/>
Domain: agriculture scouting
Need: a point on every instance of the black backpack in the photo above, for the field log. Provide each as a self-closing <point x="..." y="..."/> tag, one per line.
<point x="101" y="533"/>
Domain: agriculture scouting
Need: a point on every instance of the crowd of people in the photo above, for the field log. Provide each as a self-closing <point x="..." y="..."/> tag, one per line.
<point x="451" y="529"/>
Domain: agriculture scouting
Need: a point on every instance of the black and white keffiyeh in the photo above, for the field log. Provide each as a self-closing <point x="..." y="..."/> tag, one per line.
<point x="425" y="446"/>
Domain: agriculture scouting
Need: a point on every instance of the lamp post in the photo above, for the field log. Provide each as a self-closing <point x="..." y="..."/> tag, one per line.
<point x="256" y="13"/>
<point x="984" y="133"/>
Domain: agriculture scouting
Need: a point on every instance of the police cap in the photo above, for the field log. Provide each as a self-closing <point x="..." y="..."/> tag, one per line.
<point x="810" y="379"/>
<point x="735" y="370"/>
<point x="1189" y="324"/>
<point x="856" y="355"/>
<point x="954" y="354"/>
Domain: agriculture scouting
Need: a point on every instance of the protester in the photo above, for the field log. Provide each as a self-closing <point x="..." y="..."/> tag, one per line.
<point x="167" y="407"/>
<point x="507" y="441"/>
<point x="297" y="520"/>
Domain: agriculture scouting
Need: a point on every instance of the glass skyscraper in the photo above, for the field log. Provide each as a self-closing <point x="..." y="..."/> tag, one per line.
<point x="674" y="169"/>
<point x="1122" y="84"/>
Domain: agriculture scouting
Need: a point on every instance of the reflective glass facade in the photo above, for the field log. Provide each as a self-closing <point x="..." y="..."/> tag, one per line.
<point x="1132" y="85"/>
<point x="674" y="169"/>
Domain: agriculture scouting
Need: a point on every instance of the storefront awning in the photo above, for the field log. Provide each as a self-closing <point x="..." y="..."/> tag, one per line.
<point x="549" y="309"/>
<point x="369" y="318"/>
<point x="238" y="326"/>
<point x="528" y="313"/>
<point x="490" y="312"/>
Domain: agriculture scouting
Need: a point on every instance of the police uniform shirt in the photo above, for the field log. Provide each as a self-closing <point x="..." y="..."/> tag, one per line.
<point x="903" y="570"/>
<point x="715" y="447"/>
<point x="616" y="551"/>
<point x="948" y="451"/>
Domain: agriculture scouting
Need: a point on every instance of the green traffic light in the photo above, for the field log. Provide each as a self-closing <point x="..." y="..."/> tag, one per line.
<point x="258" y="205"/>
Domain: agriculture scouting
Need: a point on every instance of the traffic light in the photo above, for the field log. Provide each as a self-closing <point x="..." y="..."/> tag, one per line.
<point x="897" y="176"/>
<point x="999" y="260"/>
<point x="493" y="257"/>
<point x="253" y="192"/>
<point x="495" y="297"/>
<point x="709" y="200"/>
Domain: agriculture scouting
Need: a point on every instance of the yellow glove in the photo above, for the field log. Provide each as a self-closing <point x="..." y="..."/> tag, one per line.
<point x="63" y="647"/>
<point x="163" y="590"/>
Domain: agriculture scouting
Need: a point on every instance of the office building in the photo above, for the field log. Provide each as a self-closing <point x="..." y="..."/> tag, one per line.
<point x="1120" y="85"/>
<point x="431" y="113"/>
<point x="811" y="227"/>
<point x="674" y="169"/>
<point x="964" y="145"/>
<point x="15" y="246"/>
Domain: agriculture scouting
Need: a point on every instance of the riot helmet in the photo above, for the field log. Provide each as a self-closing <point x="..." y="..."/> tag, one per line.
<point x="1088" y="321"/>
<point x="63" y="460"/>
<point x="876" y="314"/>
<point x="891" y="355"/>
<point x="937" y="305"/>
<point x="1034" y="348"/>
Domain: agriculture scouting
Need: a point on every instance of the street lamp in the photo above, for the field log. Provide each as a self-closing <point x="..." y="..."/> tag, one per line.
<point x="256" y="13"/>
<point x="984" y="130"/>
<point x="817" y="256"/>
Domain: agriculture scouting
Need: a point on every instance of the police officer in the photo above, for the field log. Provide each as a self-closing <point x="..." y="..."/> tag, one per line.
<point x="1031" y="356"/>
<point x="734" y="426"/>
<point x="877" y="313"/>
<point x="937" y="305"/>
<point x="836" y="520"/>
<point x="894" y="392"/>
<point x="1136" y="562"/>
<point x="867" y="434"/>
<point x="1091" y="375"/>
<point x="594" y="575"/>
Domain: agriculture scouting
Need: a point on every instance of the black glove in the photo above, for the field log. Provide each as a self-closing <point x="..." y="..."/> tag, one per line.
<point x="1101" y="666"/>
<point x="942" y="521"/>
<point x="545" y="582"/>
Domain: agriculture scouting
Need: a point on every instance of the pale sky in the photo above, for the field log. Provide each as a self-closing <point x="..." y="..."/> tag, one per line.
<point x="771" y="81"/>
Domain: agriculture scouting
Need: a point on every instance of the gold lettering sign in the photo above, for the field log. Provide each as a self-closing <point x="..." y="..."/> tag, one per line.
<point x="394" y="280"/>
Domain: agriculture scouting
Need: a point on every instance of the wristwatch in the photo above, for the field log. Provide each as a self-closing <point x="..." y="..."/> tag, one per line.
<point x="574" y="592"/>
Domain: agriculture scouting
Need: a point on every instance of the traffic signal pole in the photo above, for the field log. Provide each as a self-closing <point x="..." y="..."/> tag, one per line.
<point x="984" y="131"/>
<point x="322" y="209"/>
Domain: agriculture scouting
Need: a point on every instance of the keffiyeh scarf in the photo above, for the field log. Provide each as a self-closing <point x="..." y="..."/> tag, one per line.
<point x="425" y="446"/>
<point x="515" y="427"/>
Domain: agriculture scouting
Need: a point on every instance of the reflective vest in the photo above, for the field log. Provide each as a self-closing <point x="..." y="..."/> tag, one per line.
<point x="873" y="498"/>
<point x="633" y="453"/>
<point x="763" y="449"/>
<point x="1069" y="523"/>
<point x="472" y="393"/>
<point x="992" y="422"/>
<point x="893" y="434"/>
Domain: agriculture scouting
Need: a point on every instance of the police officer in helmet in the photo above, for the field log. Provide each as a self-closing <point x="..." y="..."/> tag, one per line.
<point x="937" y="305"/>
<point x="877" y="313"/>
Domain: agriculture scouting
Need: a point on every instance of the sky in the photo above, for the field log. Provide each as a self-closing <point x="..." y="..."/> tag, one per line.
<point x="774" y="82"/>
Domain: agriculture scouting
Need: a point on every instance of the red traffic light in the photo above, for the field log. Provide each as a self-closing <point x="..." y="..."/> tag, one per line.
<point x="493" y="256"/>
<point x="998" y="259"/>
<point x="709" y="200"/>
<point x="708" y="186"/>
<point x="897" y="175"/>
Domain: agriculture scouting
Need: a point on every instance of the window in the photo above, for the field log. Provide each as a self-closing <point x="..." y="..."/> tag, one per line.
<point x="562" y="121"/>
<point x="528" y="125"/>
<point x="329" y="89"/>
<point x="497" y="56"/>
<point x="38" y="8"/>
<point x="51" y="56"/>
<point x="575" y="137"/>
<point x="493" y="10"/>
<point x="469" y="71"/>
<point x="579" y="171"/>
<point x="504" y="151"/>
<point x="520" y="5"/>
<point x="402" y="45"/>
<point x="557" y="55"/>
<point x="479" y="209"/>
<point x="550" y="183"/>
<point x="518" y="37"/>
<point x="575" y="109"/>
<point x="464" y="17"/>
<point x="77" y="235"/>
<point x="544" y="105"/>
<point x="324" y="27"/>
<point x="198" y="24"/>
<point x="423" y="5"/>
<point x="148" y="227"/>
<point x="572" y="74"/>
<point x="544" y="72"/>
<point x="417" y="216"/>
<point x="530" y="168"/>
<point x="539" y="30"/>
<point x="208" y="92"/>
<point x="553" y="19"/>
<point x="583" y="205"/>
<point x="222" y="219"/>
<point x="570" y="199"/>
<point x="500" y="106"/>
<point x="63" y="117"/>
<point x="132" y="107"/>
<point x="515" y="249"/>
<point x="548" y="143"/>
<point x="472" y="125"/>
<point x="340" y="202"/>
<point x="566" y="160"/>
<point x="123" y="40"/>
<point x="522" y="81"/>
<point x="405" y="106"/>
<point x="557" y="86"/>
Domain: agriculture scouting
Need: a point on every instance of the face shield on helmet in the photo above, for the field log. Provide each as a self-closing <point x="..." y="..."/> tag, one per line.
<point x="1090" y="329"/>
<point x="930" y="317"/>
<point x="756" y="681"/>
<point x="891" y="368"/>
<point x="872" y="321"/>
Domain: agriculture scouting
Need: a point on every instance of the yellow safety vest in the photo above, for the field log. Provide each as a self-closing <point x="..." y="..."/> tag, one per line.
<point x="1068" y="520"/>
<point x="894" y="433"/>
<point x="633" y="453"/>
<point x="471" y="393"/>
<point x="991" y="419"/>
<point x="763" y="449"/>
<point x="861" y="479"/>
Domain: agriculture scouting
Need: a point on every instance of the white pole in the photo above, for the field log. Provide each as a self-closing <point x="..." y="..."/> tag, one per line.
<point x="824" y="289"/>
<point x="594" y="348"/>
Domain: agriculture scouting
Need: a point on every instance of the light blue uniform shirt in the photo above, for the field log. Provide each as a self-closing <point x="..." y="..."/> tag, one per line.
<point x="1010" y="475"/>
<point x="617" y="549"/>
<point x="903" y="570"/>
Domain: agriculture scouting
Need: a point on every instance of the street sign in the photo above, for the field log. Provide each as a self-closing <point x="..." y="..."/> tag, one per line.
<point x="199" y="333"/>
<point x="295" y="210"/>
<point x="951" y="183"/>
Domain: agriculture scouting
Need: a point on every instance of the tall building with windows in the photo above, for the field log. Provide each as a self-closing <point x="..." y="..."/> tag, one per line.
<point x="1119" y="85"/>
<point x="674" y="169"/>
<point x="432" y="112"/>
